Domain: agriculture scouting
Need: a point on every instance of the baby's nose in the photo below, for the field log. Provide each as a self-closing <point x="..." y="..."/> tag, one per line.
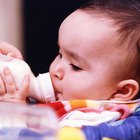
<point x="58" y="72"/>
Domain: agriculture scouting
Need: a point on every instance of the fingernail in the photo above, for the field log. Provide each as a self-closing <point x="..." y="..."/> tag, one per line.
<point x="11" y="54"/>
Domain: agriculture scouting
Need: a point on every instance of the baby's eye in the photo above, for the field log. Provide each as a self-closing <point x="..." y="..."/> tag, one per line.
<point x="75" y="68"/>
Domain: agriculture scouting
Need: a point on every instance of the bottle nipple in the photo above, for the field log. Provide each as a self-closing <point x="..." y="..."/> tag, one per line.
<point x="46" y="87"/>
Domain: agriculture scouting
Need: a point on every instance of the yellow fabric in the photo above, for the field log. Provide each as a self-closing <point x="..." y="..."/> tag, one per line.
<point x="70" y="133"/>
<point x="107" y="139"/>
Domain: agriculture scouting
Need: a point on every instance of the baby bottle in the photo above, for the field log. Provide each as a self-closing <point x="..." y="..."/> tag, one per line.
<point x="41" y="87"/>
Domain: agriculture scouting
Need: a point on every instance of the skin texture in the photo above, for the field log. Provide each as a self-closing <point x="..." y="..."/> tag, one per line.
<point x="9" y="50"/>
<point x="88" y="63"/>
<point x="88" y="53"/>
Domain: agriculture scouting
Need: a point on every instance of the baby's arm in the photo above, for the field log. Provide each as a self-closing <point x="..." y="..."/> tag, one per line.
<point x="14" y="94"/>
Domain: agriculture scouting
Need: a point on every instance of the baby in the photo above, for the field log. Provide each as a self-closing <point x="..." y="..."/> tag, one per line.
<point x="98" y="53"/>
<point x="99" y="59"/>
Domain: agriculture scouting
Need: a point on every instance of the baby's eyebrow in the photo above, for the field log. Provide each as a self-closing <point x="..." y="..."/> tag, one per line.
<point x="75" y="56"/>
<point x="69" y="53"/>
<point x="72" y="54"/>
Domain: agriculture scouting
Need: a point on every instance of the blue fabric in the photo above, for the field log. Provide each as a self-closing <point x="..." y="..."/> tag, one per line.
<point x="128" y="129"/>
<point x="26" y="133"/>
<point x="22" y="134"/>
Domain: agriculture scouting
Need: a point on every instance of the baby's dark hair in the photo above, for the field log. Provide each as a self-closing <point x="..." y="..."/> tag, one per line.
<point x="126" y="15"/>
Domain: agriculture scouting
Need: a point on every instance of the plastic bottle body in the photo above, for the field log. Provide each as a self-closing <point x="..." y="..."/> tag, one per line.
<point x="27" y="122"/>
<point x="40" y="87"/>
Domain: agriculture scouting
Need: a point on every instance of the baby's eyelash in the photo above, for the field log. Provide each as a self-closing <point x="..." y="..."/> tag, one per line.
<point x="75" y="68"/>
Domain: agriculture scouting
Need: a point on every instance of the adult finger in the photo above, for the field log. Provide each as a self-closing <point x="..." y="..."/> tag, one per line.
<point x="24" y="87"/>
<point x="9" y="81"/>
<point x="2" y="86"/>
<point x="8" y="49"/>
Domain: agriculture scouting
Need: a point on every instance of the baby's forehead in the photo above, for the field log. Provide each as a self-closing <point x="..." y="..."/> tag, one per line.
<point x="80" y="23"/>
<point x="88" y="22"/>
<point x="90" y="32"/>
<point x="90" y="17"/>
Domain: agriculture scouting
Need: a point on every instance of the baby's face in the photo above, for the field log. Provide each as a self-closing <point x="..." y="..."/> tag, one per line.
<point x="84" y="69"/>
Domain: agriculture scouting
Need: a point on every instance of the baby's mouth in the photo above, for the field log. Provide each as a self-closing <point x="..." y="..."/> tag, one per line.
<point x="58" y="95"/>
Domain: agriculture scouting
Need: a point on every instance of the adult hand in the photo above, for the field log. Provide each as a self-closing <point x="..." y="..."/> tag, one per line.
<point x="14" y="93"/>
<point x="10" y="50"/>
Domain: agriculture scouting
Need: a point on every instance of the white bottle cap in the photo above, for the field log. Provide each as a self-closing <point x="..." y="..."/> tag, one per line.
<point x="46" y="87"/>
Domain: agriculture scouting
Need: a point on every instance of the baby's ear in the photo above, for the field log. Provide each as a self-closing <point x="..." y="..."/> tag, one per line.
<point x="126" y="90"/>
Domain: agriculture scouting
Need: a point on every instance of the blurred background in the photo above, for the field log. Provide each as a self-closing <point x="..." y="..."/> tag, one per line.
<point x="32" y="26"/>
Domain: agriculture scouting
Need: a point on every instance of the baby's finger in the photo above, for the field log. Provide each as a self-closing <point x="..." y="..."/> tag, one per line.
<point x="24" y="87"/>
<point x="9" y="81"/>
<point x="2" y="86"/>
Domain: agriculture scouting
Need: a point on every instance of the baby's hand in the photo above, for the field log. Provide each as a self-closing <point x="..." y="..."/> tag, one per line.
<point x="12" y="92"/>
